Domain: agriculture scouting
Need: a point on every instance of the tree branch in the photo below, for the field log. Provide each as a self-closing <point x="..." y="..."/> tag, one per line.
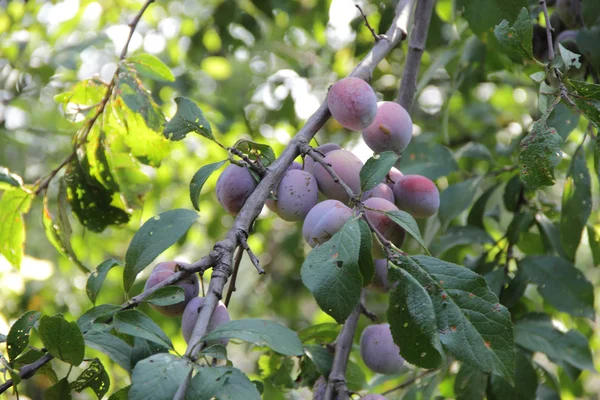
<point x="409" y="382"/>
<point x="549" y="30"/>
<point x="236" y="267"/>
<point x="416" y="47"/>
<point x="27" y="371"/>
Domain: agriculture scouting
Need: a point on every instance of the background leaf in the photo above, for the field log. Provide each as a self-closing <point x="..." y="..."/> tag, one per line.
<point x="188" y="118"/>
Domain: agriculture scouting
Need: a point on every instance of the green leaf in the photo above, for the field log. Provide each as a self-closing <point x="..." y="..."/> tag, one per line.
<point x="594" y="239"/>
<point x="150" y="66"/>
<point x="188" y="118"/>
<point x="199" y="180"/>
<point x="96" y="162"/>
<point x="332" y="274"/>
<point x="155" y="236"/>
<point x="143" y="349"/>
<point x="62" y="339"/>
<point x="325" y="332"/>
<point x="561" y="284"/>
<point x="262" y="333"/>
<point x="474" y="150"/>
<point x="471" y="324"/>
<point x="136" y="323"/>
<point x="18" y="336"/>
<point x="9" y="180"/>
<point x="94" y="377"/>
<point x="588" y="41"/>
<point x="588" y="100"/>
<point x="215" y="351"/>
<point x="138" y="99"/>
<point x="412" y="321"/>
<point x="96" y="278"/>
<point x="59" y="391"/>
<point x="570" y="59"/>
<point x="375" y="169"/>
<point x="538" y="77"/>
<point x="520" y="223"/>
<point x="430" y="160"/>
<point x="115" y="348"/>
<point x="524" y="388"/>
<point x="477" y="212"/>
<point x="535" y="332"/>
<point x="550" y="235"/>
<point x="408" y="223"/>
<point x="103" y="312"/>
<point x="576" y="203"/>
<point x="483" y="15"/>
<point x="166" y="296"/>
<point x="91" y="202"/>
<point x="221" y="383"/>
<point x="563" y="119"/>
<point x="456" y="198"/>
<point x="13" y="205"/>
<point x="458" y="236"/>
<point x="158" y="377"/>
<point x="365" y="257"/>
<point x="121" y="394"/>
<point x="321" y="357"/>
<point x="256" y="151"/>
<point x="540" y="153"/>
<point x="517" y="38"/>
<point x="470" y="384"/>
<point x="591" y="13"/>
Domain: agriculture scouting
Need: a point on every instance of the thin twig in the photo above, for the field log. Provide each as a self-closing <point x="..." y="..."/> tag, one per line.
<point x="369" y="314"/>
<point x="549" y="30"/>
<point x="236" y="267"/>
<point x="257" y="166"/>
<point x="416" y="47"/>
<point x="255" y="261"/>
<point x="406" y="384"/>
<point x="375" y="35"/>
<point x="27" y="371"/>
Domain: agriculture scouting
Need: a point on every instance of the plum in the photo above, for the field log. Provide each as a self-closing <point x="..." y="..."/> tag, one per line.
<point x="378" y="350"/>
<point x="324" y="220"/>
<point x="417" y="195"/>
<point x="297" y="194"/>
<point x="569" y="12"/>
<point x="392" y="177"/>
<point x="234" y="186"/>
<point x="347" y="166"/>
<point x="391" y="129"/>
<point x="388" y="228"/>
<point x="352" y="103"/>
<point x="382" y="191"/>
<point x="373" y="397"/>
<point x="190" y="316"/>
<point x="295" y="165"/>
<point x="309" y="163"/>
<point x="380" y="281"/>
<point x="189" y="284"/>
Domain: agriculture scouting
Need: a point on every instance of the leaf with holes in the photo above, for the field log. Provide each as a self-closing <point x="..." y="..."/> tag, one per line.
<point x="18" y="335"/>
<point x="93" y="377"/>
<point x="517" y="39"/>
<point x="256" y="151"/>
<point x="188" y="118"/>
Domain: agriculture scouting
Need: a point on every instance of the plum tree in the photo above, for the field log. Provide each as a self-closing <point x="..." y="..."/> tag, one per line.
<point x="189" y="284"/>
<point x="324" y="220"/>
<point x="388" y="228"/>
<point x="234" y="186"/>
<point x="347" y="166"/>
<point x="309" y="163"/>
<point x="380" y="281"/>
<point x="391" y="129"/>
<point x="319" y="388"/>
<point x="382" y="191"/>
<point x="378" y="350"/>
<point x="373" y="397"/>
<point x="297" y="194"/>
<point x="417" y="195"/>
<point x="392" y="177"/>
<point x="352" y="103"/>
<point x="190" y="315"/>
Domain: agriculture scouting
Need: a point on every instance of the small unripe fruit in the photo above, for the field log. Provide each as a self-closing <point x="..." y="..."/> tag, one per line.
<point x="234" y="186"/>
<point x="388" y="228"/>
<point x="319" y="389"/>
<point x="417" y="195"/>
<point x="189" y="284"/>
<point x="309" y="163"/>
<point x="324" y="220"/>
<point x="297" y="194"/>
<point x="391" y="129"/>
<point x="188" y="321"/>
<point x="392" y="177"/>
<point x="347" y="166"/>
<point x="373" y="397"/>
<point x="382" y="191"/>
<point x="378" y="350"/>
<point x="352" y="103"/>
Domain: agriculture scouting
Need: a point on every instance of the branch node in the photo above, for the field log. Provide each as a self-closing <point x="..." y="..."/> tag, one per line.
<point x="375" y="35"/>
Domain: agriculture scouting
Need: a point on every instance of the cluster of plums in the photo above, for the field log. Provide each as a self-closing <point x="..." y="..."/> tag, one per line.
<point x="190" y="307"/>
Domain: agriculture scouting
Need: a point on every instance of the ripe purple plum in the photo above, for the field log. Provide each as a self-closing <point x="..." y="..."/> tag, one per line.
<point x="388" y="228"/>
<point x="297" y="194"/>
<point x="189" y="284"/>
<point x="380" y="281"/>
<point x="324" y="220"/>
<point x="352" y="103"/>
<point x="392" y="177"/>
<point x="347" y="166"/>
<point x="417" y="195"/>
<point x="381" y="191"/>
<point x="190" y="316"/>
<point x="295" y="165"/>
<point x="373" y="397"/>
<point x="569" y="12"/>
<point x="391" y="129"/>
<point x="309" y="163"/>
<point x="234" y="186"/>
<point x="378" y="350"/>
